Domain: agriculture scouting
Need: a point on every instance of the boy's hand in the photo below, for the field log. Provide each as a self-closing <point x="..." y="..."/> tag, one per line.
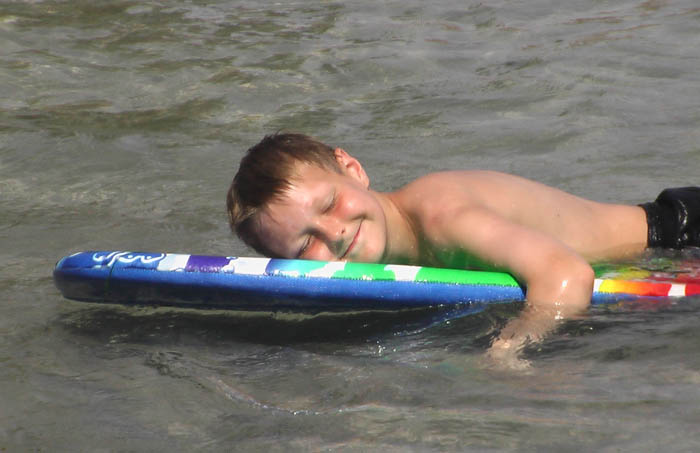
<point x="531" y="326"/>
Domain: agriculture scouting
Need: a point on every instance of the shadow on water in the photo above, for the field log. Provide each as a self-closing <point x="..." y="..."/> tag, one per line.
<point x="446" y="328"/>
<point x="149" y="325"/>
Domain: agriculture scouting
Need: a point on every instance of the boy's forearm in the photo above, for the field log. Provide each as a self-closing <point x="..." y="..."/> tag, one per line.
<point x="563" y="293"/>
<point x="559" y="280"/>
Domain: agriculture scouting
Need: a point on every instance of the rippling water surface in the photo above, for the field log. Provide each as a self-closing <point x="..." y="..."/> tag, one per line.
<point x="121" y="124"/>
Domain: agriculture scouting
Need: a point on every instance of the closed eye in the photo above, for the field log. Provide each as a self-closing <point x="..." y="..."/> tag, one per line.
<point x="331" y="203"/>
<point x="304" y="248"/>
<point x="309" y="240"/>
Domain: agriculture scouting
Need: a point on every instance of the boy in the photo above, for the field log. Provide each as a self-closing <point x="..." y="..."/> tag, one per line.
<point x="295" y="197"/>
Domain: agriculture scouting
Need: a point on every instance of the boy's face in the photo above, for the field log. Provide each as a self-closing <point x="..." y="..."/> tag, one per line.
<point x="326" y="216"/>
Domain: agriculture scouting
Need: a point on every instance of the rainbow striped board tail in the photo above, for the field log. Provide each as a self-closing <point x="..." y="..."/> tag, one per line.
<point x="264" y="284"/>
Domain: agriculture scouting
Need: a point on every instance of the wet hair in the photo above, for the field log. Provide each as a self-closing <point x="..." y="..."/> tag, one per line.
<point x="264" y="175"/>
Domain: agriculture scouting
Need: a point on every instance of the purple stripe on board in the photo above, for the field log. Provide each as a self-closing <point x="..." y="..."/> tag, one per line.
<point x="200" y="263"/>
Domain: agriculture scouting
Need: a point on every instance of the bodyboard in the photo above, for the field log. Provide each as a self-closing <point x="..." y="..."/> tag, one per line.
<point x="264" y="284"/>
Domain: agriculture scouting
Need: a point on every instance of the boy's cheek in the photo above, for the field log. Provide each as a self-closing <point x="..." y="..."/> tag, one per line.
<point x="373" y="248"/>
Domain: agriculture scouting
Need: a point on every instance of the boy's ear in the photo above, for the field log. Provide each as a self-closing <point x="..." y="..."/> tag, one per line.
<point x="350" y="166"/>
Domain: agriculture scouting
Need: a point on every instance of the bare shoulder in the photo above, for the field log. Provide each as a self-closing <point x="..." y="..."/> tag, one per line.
<point x="458" y="190"/>
<point x="432" y="200"/>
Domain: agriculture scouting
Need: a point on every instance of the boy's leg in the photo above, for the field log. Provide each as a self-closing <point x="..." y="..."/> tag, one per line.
<point x="674" y="218"/>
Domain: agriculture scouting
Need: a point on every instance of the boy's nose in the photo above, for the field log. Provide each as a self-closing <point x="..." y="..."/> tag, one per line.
<point x="333" y="232"/>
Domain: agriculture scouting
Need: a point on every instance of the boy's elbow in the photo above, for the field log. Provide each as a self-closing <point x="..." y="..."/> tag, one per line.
<point x="580" y="273"/>
<point x="576" y="282"/>
<point x="567" y="288"/>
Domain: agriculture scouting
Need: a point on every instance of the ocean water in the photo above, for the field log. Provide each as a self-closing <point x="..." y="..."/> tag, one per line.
<point x="122" y="123"/>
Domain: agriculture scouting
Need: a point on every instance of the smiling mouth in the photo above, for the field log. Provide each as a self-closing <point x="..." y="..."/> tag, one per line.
<point x="352" y="243"/>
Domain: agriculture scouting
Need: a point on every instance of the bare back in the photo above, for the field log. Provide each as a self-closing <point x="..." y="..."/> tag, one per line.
<point x="597" y="231"/>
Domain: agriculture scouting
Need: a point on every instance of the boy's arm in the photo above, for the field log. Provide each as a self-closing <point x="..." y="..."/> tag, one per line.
<point x="559" y="281"/>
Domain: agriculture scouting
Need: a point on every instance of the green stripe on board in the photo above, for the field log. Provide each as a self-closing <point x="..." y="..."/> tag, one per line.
<point x="458" y="276"/>
<point x="372" y="271"/>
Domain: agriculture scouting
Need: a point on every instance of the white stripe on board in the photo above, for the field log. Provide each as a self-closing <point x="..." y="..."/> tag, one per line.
<point x="327" y="270"/>
<point x="247" y="266"/>
<point x="403" y="273"/>
<point x="596" y="284"/>
<point x="173" y="262"/>
<point x="677" y="290"/>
